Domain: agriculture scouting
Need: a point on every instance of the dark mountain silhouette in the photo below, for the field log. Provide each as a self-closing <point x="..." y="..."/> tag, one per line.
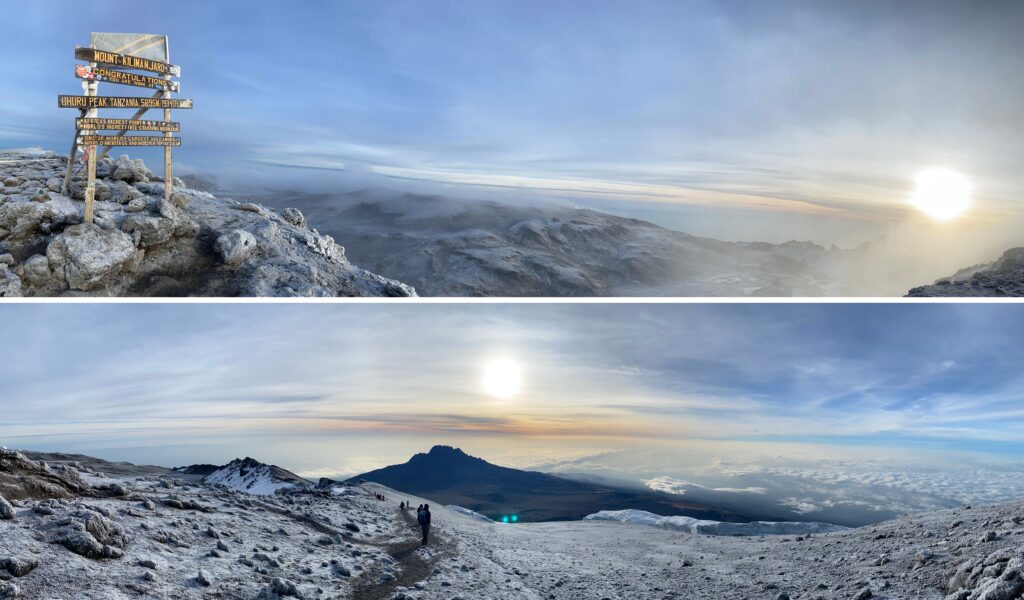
<point x="450" y="476"/>
<point x="202" y="470"/>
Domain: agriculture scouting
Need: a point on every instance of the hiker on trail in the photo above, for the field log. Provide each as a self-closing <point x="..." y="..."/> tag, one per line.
<point x="401" y="505"/>
<point x="423" y="516"/>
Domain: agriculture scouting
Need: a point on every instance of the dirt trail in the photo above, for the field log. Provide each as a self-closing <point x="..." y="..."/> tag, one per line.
<point x="412" y="566"/>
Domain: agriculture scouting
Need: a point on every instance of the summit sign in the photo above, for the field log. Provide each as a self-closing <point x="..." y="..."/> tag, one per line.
<point x="116" y="58"/>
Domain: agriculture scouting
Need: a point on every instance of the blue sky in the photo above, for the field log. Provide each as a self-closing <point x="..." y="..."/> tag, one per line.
<point x="175" y="382"/>
<point x="733" y="118"/>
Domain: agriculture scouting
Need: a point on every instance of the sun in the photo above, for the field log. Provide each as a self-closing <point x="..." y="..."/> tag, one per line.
<point x="941" y="194"/>
<point x="502" y="378"/>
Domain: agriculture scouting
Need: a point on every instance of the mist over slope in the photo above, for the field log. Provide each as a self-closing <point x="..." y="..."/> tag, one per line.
<point x="98" y="537"/>
<point x="452" y="247"/>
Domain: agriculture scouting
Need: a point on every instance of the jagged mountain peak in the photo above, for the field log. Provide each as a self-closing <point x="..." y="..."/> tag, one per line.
<point x="247" y="474"/>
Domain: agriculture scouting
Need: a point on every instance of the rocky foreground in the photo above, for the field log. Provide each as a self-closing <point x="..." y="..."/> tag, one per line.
<point x="67" y="531"/>
<point x="1001" y="278"/>
<point x="141" y="245"/>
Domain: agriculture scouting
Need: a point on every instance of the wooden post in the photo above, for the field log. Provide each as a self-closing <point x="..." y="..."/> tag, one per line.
<point x="90" y="187"/>
<point x="72" y="155"/>
<point x="168" y="175"/>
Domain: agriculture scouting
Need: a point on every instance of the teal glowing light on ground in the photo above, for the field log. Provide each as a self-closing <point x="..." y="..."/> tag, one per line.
<point x="510" y="518"/>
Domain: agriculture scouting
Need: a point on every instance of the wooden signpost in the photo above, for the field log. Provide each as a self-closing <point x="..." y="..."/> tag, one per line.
<point x="113" y="58"/>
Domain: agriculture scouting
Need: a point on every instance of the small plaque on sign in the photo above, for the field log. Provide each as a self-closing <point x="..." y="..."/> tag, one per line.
<point x="129" y="140"/>
<point x="124" y="78"/>
<point x="96" y="124"/>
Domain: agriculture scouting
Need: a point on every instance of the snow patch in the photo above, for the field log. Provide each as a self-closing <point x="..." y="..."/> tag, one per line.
<point x="468" y="513"/>
<point x="691" y="525"/>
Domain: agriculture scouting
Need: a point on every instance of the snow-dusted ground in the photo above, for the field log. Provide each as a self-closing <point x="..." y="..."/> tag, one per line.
<point x="352" y="545"/>
<point x="913" y="557"/>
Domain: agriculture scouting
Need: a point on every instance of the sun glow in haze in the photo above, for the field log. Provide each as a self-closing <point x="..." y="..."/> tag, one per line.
<point x="502" y="378"/>
<point x="941" y="194"/>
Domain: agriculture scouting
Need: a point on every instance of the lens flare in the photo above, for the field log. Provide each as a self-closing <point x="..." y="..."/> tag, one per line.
<point x="502" y="378"/>
<point x="941" y="194"/>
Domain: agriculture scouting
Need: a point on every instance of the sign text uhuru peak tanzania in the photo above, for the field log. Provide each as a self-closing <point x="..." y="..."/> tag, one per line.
<point x="126" y="61"/>
<point x="120" y="102"/>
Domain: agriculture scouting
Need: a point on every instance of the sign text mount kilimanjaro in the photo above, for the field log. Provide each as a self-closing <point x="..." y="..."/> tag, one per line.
<point x="126" y="61"/>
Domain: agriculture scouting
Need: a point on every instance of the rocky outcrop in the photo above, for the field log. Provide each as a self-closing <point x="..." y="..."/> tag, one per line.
<point x="89" y="534"/>
<point x="998" y="576"/>
<point x="194" y="244"/>
<point x="21" y="478"/>
<point x="1001" y="278"/>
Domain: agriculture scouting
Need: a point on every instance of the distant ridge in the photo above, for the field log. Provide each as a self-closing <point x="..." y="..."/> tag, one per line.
<point x="246" y="475"/>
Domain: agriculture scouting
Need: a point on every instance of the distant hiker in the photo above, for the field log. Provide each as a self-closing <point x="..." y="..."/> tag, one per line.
<point x="423" y="516"/>
<point x="401" y="505"/>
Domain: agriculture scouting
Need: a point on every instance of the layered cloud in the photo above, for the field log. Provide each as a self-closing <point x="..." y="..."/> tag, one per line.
<point x="796" y="106"/>
<point x="941" y="377"/>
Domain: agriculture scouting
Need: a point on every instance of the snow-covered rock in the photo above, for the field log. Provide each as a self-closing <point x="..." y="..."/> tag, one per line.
<point x="142" y="245"/>
<point x="253" y="477"/>
<point x="1000" y="278"/>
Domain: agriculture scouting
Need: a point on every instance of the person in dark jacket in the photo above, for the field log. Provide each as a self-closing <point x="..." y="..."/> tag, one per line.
<point x="423" y="517"/>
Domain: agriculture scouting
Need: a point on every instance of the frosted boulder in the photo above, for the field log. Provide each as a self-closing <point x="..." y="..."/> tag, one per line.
<point x="87" y="257"/>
